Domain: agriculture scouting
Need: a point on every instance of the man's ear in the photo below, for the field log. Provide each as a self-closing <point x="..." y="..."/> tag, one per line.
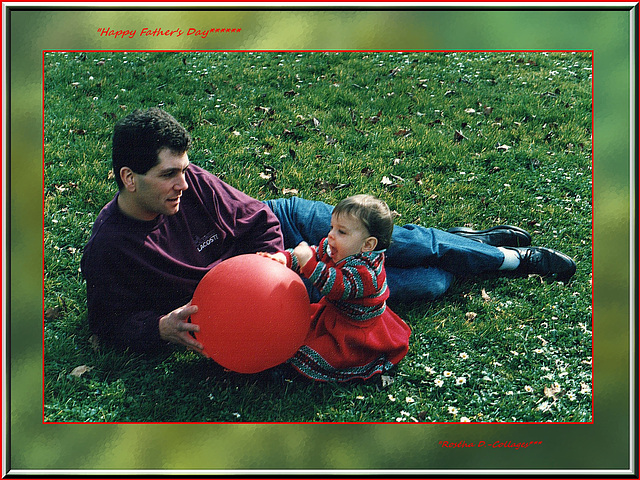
<point x="127" y="177"/>
<point x="370" y="244"/>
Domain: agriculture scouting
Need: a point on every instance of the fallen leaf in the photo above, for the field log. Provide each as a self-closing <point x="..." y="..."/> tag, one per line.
<point x="471" y="316"/>
<point x="267" y="110"/>
<point x="81" y="370"/>
<point x="53" y="313"/>
<point x="553" y="391"/>
<point x="375" y="118"/>
<point x="544" y="342"/>
<point x="459" y="136"/>
<point x="289" y="191"/>
<point x="485" y="296"/>
<point x="271" y="184"/>
<point x="324" y="185"/>
<point x="503" y="147"/>
<point x="386" y="381"/>
<point x="269" y="174"/>
<point x="289" y="134"/>
<point x="470" y="111"/>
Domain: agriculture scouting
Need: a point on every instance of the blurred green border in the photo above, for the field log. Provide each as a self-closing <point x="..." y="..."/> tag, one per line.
<point x="603" y="447"/>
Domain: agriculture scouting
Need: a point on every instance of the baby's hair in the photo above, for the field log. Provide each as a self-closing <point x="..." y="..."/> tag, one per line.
<point x="374" y="214"/>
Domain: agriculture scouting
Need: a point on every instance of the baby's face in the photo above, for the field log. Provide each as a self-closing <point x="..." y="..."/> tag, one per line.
<point x="347" y="237"/>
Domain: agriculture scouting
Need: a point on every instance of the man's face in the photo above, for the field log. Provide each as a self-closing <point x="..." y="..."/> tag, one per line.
<point x="159" y="190"/>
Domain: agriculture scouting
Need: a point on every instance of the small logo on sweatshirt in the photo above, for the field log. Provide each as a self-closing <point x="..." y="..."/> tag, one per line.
<point x="204" y="242"/>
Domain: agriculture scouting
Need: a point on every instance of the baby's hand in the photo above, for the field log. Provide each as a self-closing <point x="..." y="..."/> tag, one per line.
<point x="278" y="257"/>
<point x="303" y="253"/>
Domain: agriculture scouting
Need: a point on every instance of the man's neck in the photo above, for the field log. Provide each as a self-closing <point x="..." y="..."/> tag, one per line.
<point x="130" y="209"/>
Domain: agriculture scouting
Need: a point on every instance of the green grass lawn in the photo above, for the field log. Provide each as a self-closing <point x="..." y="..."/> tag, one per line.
<point x="447" y="139"/>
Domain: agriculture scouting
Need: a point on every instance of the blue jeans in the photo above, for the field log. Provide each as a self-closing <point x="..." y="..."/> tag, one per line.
<point x="421" y="262"/>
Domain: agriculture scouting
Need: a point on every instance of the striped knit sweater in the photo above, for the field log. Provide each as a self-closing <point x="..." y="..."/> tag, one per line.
<point x="357" y="285"/>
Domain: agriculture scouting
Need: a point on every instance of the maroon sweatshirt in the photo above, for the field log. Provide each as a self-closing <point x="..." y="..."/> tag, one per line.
<point x="139" y="271"/>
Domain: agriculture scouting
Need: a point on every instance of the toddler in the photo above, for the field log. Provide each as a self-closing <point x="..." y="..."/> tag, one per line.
<point x="354" y="335"/>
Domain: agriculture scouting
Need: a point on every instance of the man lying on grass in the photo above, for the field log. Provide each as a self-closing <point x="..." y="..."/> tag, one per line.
<point x="172" y="221"/>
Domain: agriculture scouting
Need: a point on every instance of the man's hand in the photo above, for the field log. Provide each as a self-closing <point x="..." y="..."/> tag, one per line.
<point x="175" y="328"/>
<point x="303" y="253"/>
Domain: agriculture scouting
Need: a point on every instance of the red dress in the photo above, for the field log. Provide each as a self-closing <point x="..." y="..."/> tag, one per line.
<point x="354" y="335"/>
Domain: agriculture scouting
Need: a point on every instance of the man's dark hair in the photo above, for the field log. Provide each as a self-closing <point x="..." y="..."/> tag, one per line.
<point x="139" y="137"/>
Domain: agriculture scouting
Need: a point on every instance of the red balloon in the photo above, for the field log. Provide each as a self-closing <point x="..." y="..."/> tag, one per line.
<point x="253" y="313"/>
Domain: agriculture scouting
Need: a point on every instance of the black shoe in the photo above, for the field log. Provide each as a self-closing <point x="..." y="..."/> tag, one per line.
<point x="545" y="261"/>
<point x="500" y="236"/>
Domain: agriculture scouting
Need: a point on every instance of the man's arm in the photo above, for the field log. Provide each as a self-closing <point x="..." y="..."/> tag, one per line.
<point x="258" y="231"/>
<point x="117" y="313"/>
<point x="249" y="224"/>
<point x="142" y="330"/>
